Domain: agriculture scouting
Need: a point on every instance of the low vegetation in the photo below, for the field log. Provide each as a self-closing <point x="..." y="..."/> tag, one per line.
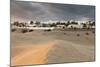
<point x="24" y="30"/>
<point x="87" y="33"/>
<point x="13" y="30"/>
<point x="30" y="30"/>
<point x="48" y="30"/>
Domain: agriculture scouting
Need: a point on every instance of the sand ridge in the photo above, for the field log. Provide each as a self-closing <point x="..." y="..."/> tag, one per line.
<point x="36" y="55"/>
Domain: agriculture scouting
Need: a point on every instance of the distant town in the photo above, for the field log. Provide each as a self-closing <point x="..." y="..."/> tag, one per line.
<point x="51" y="25"/>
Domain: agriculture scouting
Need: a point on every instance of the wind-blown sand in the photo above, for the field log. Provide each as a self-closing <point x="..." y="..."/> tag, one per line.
<point x="40" y="47"/>
<point x="32" y="55"/>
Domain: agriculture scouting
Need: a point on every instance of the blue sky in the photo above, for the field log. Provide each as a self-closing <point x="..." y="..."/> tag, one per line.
<point x="29" y="10"/>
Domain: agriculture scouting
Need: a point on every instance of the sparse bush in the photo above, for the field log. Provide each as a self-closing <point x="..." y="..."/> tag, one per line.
<point x="78" y="34"/>
<point x="30" y="30"/>
<point x="13" y="30"/>
<point x="87" y="33"/>
<point x="24" y="30"/>
<point x="48" y="30"/>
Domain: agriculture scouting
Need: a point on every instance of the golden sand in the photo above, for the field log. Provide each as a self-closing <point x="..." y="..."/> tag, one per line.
<point x="35" y="55"/>
<point x="51" y="47"/>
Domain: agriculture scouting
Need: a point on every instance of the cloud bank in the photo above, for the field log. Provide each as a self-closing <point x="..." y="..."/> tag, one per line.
<point x="28" y="10"/>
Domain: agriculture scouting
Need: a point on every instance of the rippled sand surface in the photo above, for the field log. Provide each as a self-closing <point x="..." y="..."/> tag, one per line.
<point x="39" y="47"/>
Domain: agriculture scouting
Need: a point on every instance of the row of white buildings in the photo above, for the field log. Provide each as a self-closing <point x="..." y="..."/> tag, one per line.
<point x="55" y="24"/>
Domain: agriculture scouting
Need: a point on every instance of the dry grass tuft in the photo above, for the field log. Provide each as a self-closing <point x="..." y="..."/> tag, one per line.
<point x="24" y="30"/>
<point x="78" y="34"/>
<point x="13" y="30"/>
<point x="87" y="33"/>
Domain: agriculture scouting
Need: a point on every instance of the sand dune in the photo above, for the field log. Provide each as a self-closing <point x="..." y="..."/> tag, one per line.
<point x="51" y="47"/>
<point x="64" y="51"/>
<point x="35" y="55"/>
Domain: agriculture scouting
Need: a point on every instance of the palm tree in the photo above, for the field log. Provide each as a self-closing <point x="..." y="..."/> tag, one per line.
<point x="31" y="22"/>
<point x="58" y="23"/>
<point x="16" y="23"/>
<point x="44" y="25"/>
<point x="84" y="25"/>
<point x="21" y="24"/>
<point x="73" y="22"/>
<point x="53" y="25"/>
<point x="68" y="23"/>
<point x="93" y="23"/>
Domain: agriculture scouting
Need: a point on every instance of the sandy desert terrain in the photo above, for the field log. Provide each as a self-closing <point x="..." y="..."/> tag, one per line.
<point x="46" y="47"/>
